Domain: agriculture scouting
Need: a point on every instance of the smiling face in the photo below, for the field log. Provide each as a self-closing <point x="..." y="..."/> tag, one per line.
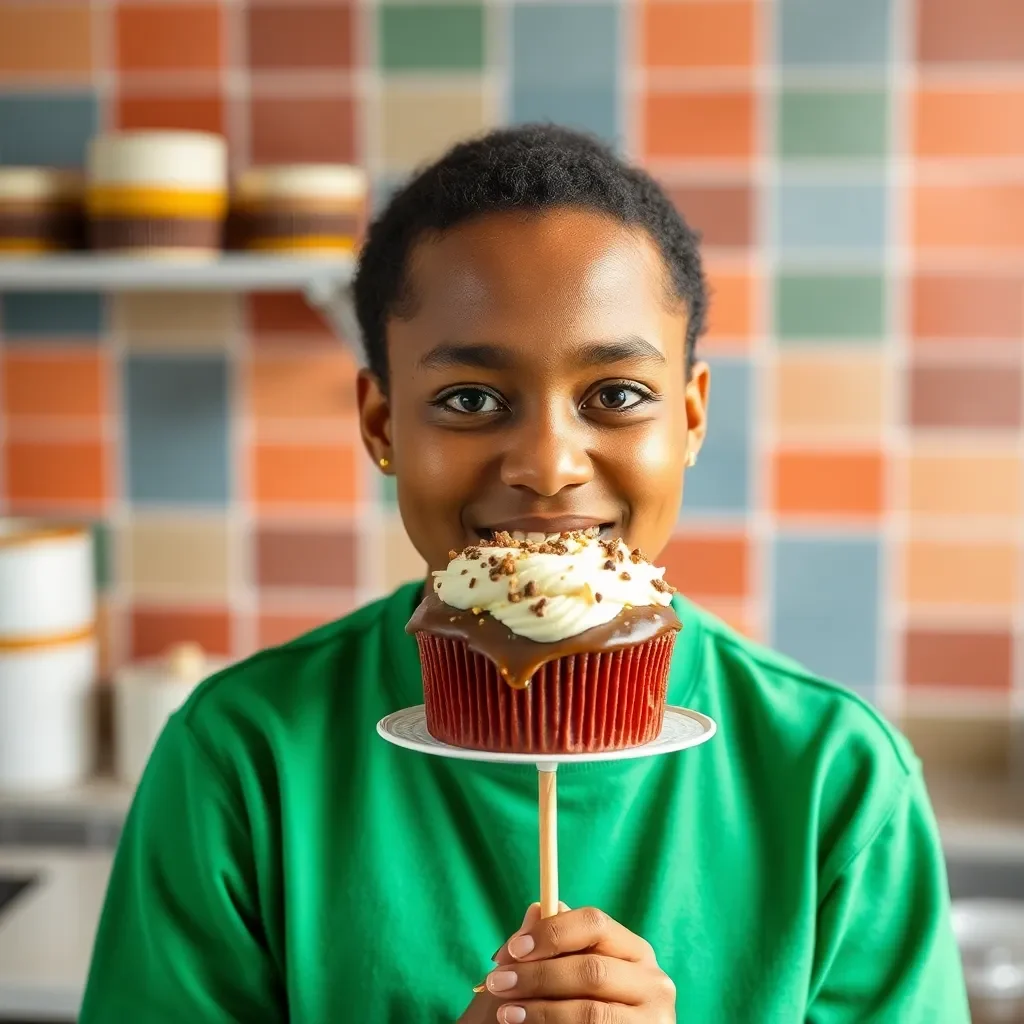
<point x="537" y="384"/>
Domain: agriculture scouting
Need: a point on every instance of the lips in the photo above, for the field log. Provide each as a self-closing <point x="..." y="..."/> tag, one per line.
<point x="539" y="528"/>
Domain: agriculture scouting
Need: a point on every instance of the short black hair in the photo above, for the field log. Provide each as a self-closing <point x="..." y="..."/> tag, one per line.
<point x="530" y="168"/>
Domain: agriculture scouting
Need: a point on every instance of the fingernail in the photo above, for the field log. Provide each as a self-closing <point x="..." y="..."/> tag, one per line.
<point x="502" y="981"/>
<point x="494" y="955"/>
<point x="513" y="1014"/>
<point x="520" y="946"/>
<point x="563" y="906"/>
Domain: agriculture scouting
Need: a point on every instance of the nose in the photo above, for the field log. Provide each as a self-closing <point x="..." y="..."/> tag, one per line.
<point x="546" y="454"/>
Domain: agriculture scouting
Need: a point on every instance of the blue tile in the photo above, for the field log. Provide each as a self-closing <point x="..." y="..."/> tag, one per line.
<point x="56" y="315"/>
<point x="825" y="606"/>
<point x="834" y="32"/>
<point x="177" y="430"/>
<point x="565" y="65"/>
<point x="720" y="482"/>
<point x="831" y="216"/>
<point x="50" y="128"/>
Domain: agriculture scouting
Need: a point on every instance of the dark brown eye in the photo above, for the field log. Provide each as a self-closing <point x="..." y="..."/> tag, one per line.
<point x="471" y="401"/>
<point x="617" y="397"/>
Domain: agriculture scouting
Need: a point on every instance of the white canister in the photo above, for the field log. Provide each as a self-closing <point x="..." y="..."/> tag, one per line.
<point x="146" y="694"/>
<point x="47" y="591"/>
<point x="47" y="713"/>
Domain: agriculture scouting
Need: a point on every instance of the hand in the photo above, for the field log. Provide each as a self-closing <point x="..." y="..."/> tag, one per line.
<point x="579" y="967"/>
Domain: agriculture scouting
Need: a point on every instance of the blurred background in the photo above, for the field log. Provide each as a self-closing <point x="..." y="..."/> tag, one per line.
<point x="857" y="171"/>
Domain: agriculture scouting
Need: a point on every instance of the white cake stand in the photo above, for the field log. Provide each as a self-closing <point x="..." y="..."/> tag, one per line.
<point x="682" y="729"/>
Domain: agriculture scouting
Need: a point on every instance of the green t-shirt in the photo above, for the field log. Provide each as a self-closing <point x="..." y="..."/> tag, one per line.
<point x="283" y="863"/>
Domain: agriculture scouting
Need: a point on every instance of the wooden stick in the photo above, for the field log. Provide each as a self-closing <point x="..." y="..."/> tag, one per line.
<point x="548" y="793"/>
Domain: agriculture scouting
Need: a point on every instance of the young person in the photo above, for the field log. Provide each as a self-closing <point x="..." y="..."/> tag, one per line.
<point x="530" y="308"/>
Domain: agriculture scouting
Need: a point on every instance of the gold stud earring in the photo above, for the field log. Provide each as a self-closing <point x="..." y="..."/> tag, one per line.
<point x="383" y="463"/>
<point x="691" y="459"/>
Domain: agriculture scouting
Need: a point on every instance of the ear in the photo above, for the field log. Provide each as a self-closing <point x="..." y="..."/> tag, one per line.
<point x="374" y="418"/>
<point x="698" y="389"/>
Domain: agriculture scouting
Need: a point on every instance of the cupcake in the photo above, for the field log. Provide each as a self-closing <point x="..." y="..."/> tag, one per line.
<point x="561" y="646"/>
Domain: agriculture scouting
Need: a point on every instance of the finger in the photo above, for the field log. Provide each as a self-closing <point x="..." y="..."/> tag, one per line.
<point x="567" y="1011"/>
<point x="576" y="931"/>
<point x="532" y="917"/>
<point x="575" y="977"/>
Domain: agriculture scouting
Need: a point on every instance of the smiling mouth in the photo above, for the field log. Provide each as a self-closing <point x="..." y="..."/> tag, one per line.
<point x="537" y="530"/>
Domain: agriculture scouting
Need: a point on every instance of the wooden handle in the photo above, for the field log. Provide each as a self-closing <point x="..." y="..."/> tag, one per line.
<point x="548" y="793"/>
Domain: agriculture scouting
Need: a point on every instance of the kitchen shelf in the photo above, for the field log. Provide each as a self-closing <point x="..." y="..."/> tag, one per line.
<point x="325" y="283"/>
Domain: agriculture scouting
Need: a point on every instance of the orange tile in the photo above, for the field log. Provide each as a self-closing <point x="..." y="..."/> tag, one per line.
<point x="964" y="485"/>
<point x="75" y="472"/>
<point x="721" y="33"/>
<point x="278" y="627"/>
<point x="286" y="316"/>
<point x="68" y="384"/>
<point x="155" y="629"/>
<point x="965" y="308"/>
<point x="731" y="316"/>
<point x="707" y="566"/>
<point x="733" y="613"/>
<point x="192" y="113"/>
<point x="952" y="573"/>
<point x="818" y="394"/>
<point x="979" y="216"/>
<point x="985" y="122"/>
<point x="177" y="36"/>
<point x="312" y="385"/>
<point x="288" y="129"/>
<point x="829" y="483"/>
<point x="315" y="475"/>
<point x="45" y="39"/>
<point x="699" y="124"/>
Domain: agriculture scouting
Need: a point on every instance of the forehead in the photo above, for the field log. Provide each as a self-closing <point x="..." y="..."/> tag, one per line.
<point x="511" y="276"/>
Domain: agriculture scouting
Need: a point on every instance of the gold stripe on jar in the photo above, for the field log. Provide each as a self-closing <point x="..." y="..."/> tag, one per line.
<point x="133" y="201"/>
<point x="16" y="644"/>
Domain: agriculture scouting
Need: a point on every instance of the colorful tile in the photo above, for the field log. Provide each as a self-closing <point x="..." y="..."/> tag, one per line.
<point x="431" y="36"/>
<point x="400" y="561"/>
<point x="986" y="397"/>
<point x="963" y="306"/>
<point x="698" y="125"/>
<point x="811" y="216"/>
<point x="592" y="110"/>
<point x="59" y="384"/>
<point x="834" y="33"/>
<point x="72" y="474"/>
<point x="46" y="316"/>
<point x="825" y="395"/>
<point x="703" y="566"/>
<point x="983" y="121"/>
<point x="828" y="484"/>
<point x="305" y="558"/>
<point x="829" y="627"/>
<point x="46" y="41"/>
<point x="157" y="628"/>
<point x="177" y="558"/>
<point x="822" y="307"/>
<point x="964" y="485"/>
<point x="302" y="129"/>
<point x="277" y="626"/>
<point x="288" y="35"/>
<point x="986" y="217"/>
<point x="287" y="319"/>
<point x="176" y="430"/>
<point x="317" y="476"/>
<point x="50" y="128"/>
<point x="699" y="34"/>
<point x="720" y="482"/>
<point x="733" y="300"/>
<point x="173" y="322"/>
<point x="723" y="214"/>
<point x="206" y="113"/>
<point x="960" y="574"/>
<point x="178" y="36"/>
<point x="308" y="386"/>
<point x="967" y="659"/>
<point x="832" y="124"/>
<point x="950" y="32"/>
<point x="418" y="124"/>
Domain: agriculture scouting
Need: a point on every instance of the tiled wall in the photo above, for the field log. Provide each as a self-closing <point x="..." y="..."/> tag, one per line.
<point x="857" y="169"/>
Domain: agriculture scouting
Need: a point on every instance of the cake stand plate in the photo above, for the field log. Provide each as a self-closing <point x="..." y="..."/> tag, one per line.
<point x="682" y="728"/>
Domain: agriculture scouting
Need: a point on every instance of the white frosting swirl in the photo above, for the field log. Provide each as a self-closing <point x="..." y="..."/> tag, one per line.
<point x="554" y="590"/>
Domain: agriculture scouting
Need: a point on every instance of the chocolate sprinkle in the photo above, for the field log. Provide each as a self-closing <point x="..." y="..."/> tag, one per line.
<point x="538" y="608"/>
<point x="624" y="576"/>
<point x="472" y="582"/>
<point x="608" y="565"/>
<point x="530" y="590"/>
<point x="598" y="598"/>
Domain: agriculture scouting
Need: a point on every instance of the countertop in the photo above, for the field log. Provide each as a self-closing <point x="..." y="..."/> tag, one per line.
<point x="46" y="933"/>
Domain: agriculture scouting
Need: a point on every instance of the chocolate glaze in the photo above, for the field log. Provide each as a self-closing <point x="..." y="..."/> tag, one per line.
<point x="518" y="658"/>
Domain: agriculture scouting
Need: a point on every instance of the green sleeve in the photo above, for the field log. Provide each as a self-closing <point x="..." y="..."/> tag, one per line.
<point x="180" y="939"/>
<point x="885" y="948"/>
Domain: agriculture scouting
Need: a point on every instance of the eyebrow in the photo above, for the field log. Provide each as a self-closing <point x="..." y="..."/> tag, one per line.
<point x="448" y="355"/>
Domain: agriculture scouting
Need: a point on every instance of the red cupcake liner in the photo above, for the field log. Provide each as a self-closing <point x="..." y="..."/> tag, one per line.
<point x="578" y="704"/>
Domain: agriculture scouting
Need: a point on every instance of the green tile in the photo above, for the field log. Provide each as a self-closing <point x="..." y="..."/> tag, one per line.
<point x="431" y="37"/>
<point x="388" y="491"/>
<point x="830" y="307"/>
<point x="102" y="567"/>
<point x="832" y="124"/>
